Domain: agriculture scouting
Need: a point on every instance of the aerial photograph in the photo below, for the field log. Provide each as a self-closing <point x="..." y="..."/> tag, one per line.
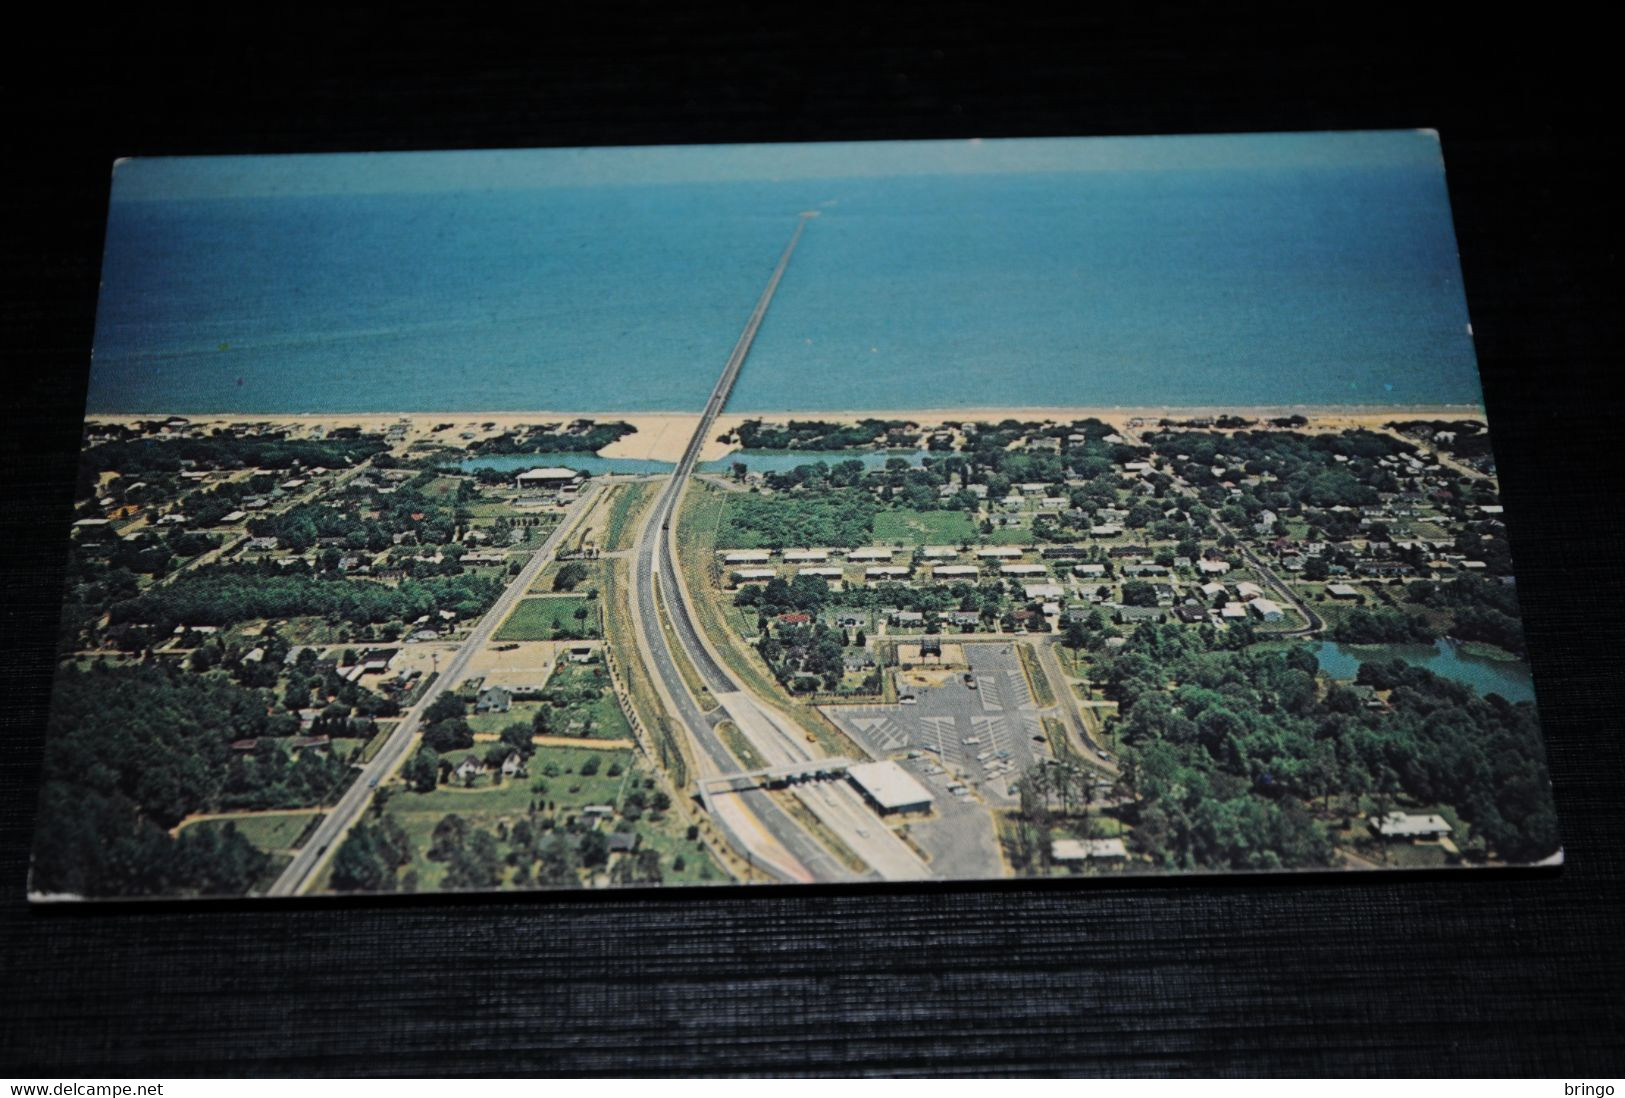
<point x="774" y="514"/>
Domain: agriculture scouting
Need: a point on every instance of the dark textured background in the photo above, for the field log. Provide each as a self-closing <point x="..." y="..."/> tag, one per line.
<point x="1471" y="974"/>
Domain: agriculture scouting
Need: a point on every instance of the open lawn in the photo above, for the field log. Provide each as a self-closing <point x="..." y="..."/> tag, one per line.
<point x="492" y="724"/>
<point x="1008" y="535"/>
<point x="594" y="576"/>
<point x="555" y="791"/>
<point x="551" y="619"/>
<point x="670" y="837"/>
<point x="555" y="786"/>
<point x="593" y="709"/>
<point x="924" y="527"/>
<point x="590" y="709"/>
<point x="268" y="831"/>
<point x="442" y="488"/>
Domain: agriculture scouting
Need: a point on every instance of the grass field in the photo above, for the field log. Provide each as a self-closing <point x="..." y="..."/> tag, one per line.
<point x="594" y="578"/>
<point x="442" y="488"/>
<point x="749" y="759"/>
<point x="494" y="723"/>
<point x="696" y="531"/>
<point x="924" y="527"/>
<point x="485" y="805"/>
<point x="620" y="524"/>
<point x="271" y="832"/>
<point x="1036" y="679"/>
<point x="551" y="619"/>
<point x="556" y="790"/>
<point x="601" y="717"/>
<point x="1073" y="662"/>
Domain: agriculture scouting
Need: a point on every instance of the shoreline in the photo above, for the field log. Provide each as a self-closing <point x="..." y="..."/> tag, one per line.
<point x="662" y="436"/>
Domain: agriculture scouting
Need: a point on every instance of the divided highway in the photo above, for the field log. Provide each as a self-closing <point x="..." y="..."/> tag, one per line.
<point x="770" y="837"/>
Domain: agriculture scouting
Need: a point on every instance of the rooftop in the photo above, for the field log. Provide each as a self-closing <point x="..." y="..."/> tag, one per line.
<point x="889" y="785"/>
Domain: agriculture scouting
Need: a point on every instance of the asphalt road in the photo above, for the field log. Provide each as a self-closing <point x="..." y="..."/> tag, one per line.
<point x="655" y="564"/>
<point x="306" y="865"/>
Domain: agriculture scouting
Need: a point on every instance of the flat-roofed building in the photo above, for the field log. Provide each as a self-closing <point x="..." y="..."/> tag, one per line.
<point x="1083" y="850"/>
<point x="871" y="552"/>
<point x="806" y="556"/>
<point x="1041" y="591"/>
<point x="549" y="478"/>
<point x="1089" y="569"/>
<point x="747" y="556"/>
<point x="1409" y="825"/>
<point x="999" y="552"/>
<point x="939" y="552"/>
<point x="955" y="571"/>
<point x="1341" y="591"/>
<point x="889" y="787"/>
<point x="828" y="572"/>
<point x="1023" y="569"/>
<point x="754" y="575"/>
<point x="886" y="572"/>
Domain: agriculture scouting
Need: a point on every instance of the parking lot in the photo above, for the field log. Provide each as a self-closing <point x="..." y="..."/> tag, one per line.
<point x="965" y="742"/>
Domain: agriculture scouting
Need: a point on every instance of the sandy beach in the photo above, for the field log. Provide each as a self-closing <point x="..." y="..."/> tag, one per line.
<point x="661" y="436"/>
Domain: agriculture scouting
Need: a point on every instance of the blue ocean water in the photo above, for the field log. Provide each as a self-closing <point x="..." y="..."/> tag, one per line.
<point x="1231" y="286"/>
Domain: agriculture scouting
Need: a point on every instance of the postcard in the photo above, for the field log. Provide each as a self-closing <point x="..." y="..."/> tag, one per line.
<point x="830" y="513"/>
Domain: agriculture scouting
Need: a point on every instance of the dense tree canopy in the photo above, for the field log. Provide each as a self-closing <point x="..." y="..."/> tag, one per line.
<point x="136" y="748"/>
<point x="1225" y="748"/>
<point x="227" y="594"/>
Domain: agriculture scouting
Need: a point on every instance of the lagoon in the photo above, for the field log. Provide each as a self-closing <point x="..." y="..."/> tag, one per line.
<point x="585" y="460"/>
<point x="1445" y="658"/>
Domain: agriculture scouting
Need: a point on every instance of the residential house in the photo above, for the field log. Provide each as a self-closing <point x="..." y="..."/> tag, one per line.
<point x="493" y="699"/>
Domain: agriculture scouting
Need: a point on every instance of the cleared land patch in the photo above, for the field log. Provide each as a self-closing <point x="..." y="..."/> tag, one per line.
<point x="924" y="527"/>
<point x="551" y="619"/>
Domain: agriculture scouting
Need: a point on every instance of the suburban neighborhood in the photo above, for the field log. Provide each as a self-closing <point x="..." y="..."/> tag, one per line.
<point x="424" y="653"/>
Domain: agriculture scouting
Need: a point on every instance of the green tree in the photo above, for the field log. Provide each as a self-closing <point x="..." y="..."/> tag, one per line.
<point x="360" y="866"/>
<point x="569" y="575"/>
<point x="422" y="772"/>
<point x="594" y="849"/>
